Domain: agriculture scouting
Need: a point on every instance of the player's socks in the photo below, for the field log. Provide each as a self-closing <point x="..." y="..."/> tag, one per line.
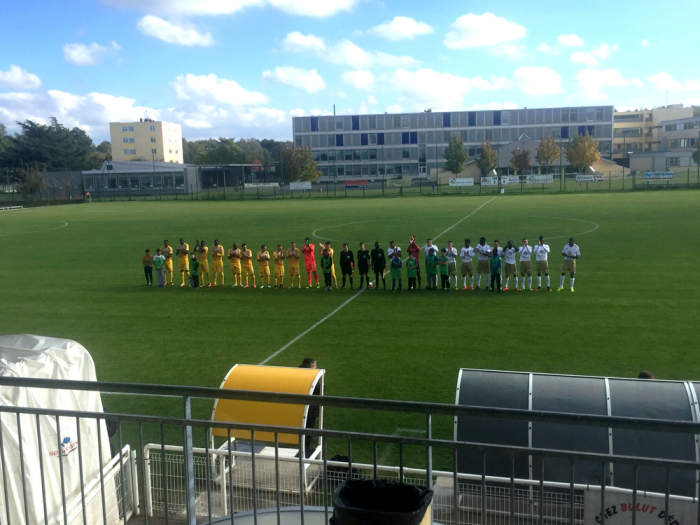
<point x="539" y="281"/>
<point x="352" y="287"/>
<point x="529" y="282"/>
<point x="478" y="280"/>
<point x="547" y="276"/>
<point x="572" y="284"/>
<point x="561" y="282"/>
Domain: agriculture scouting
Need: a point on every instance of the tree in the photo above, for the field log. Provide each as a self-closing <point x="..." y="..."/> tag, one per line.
<point x="455" y="155"/>
<point x="547" y="152"/>
<point x="3" y="130"/>
<point x="520" y="160"/>
<point x="32" y="184"/>
<point x="582" y="151"/>
<point x="488" y="160"/>
<point x="299" y="165"/>
<point x="105" y="148"/>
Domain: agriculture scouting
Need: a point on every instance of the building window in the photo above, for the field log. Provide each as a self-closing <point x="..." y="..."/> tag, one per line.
<point x="373" y="154"/>
<point x="564" y="132"/>
<point x="673" y="162"/>
<point x="692" y="125"/>
<point x="127" y="128"/>
<point x="364" y="139"/>
<point x="446" y="120"/>
<point x="154" y="151"/>
<point x="496" y="118"/>
<point x="170" y="151"/>
<point x="153" y="139"/>
<point x="405" y="153"/>
<point x="129" y="152"/>
<point x="176" y="152"/>
<point x="414" y="137"/>
<point x="314" y="123"/>
<point x="471" y="118"/>
<point x="339" y="123"/>
<point x="355" y="123"/>
<point x="128" y="140"/>
<point x="339" y="140"/>
<point x="373" y="138"/>
<point x="152" y="127"/>
<point x="590" y="114"/>
<point x="405" y="121"/>
<point x="405" y="137"/>
<point x="599" y="114"/>
<point x="372" y="122"/>
<point x="380" y="139"/>
<point x="670" y="127"/>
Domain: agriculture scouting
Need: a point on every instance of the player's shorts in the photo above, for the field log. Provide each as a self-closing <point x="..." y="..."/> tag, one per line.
<point x="452" y="269"/>
<point x="218" y="266"/>
<point x="203" y="267"/>
<point x="294" y="269"/>
<point x="247" y="270"/>
<point x="482" y="267"/>
<point x="279" y="271"/>
<point x="236" y="269"/>
<point x="183" y="264"/>
<point x="168" y="265"/>
<point x="511" y="270"/>
<point x="263" y="270"/>
<point x="364" y="270"/>
<point x="543" y="267"/>
<point x="568" y="266"/>
<point x="467" y="268"/>
<point x="310" y="267"/>
<point x="525" y="268"/>
<point x="346" y="270"/>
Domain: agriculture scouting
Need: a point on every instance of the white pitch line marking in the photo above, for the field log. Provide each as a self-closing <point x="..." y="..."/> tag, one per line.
<point x="36" y="231"/>
<point x="568" y="219"/>
<point x="290" y="343"/>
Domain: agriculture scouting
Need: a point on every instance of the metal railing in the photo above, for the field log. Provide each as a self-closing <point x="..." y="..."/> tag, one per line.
<point x="182" y="482"/>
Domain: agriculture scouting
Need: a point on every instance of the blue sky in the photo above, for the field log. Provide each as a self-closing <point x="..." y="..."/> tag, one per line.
<point x="243" y="68"/>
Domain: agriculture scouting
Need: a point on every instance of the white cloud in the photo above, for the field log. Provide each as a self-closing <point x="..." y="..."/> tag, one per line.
<point x="299" y="112"/>
<point x="591" y="58"/>
<point x="547" y="49"/>
<point x="359" y="78"/>
<point x="344" y="53"/>
<point x="470" y="31"/>
<point x="314" y="8"/>
<point x="428" y="88"/>
<point x="182" y="33"/>
<point x="593" y="81"/>
<point x="19" y="78"/>
<point x="666" y="82"/>
<point x="495" y="105"/>
<point x="512" y="51"/>
<point x="295" y="42"/>
<point x="400" y="28"/>
<point x="90" y="55"/>
<point x="570" y="40"/>
<point x="215" y="89"/>
<point x="645" y="43"/>
<point x="637" y="82"/>
<point x="306" y="79"/>
<point x="538" y="80"/>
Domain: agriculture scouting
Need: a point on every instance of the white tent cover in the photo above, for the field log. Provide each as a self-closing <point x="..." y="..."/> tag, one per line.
<point x="48" y="358"/>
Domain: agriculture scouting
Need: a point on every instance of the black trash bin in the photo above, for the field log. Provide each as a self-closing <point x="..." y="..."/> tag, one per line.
<point x="379" y="502"/>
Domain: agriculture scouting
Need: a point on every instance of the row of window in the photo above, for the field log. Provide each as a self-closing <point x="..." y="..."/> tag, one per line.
<point x="454" y="119"/>
<point x="443" y="137"/>
<point x="673" y="162"/>
<point x="371" y="170"/>
<point x="686" y="125"/>
<point x="154" y="151"/>
<point x="135" y="182"/>
<point x="681" y="143"/>
<point x="129" y="129"/>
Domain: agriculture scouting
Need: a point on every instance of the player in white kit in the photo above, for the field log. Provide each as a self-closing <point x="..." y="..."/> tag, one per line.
<point x="570" y="253"/>
<point x="510" y="269"/>
<point x="451" y="255"/>
<point x="541" y="252"/>
<point x="482" y="262"/>
<point x="467" y="254"/>
<point x="525" y="251"/>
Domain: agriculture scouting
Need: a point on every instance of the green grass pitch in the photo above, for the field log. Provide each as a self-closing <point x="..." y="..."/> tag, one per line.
<point x="75" y="272"/>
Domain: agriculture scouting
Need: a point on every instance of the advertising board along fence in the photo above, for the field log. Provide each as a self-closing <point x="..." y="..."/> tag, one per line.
<point x="457" y="182"/>
<point x="590" y="177"/>
<point x="510" y="180"/>
<point x="658" y="175"/>
<point x="489" y="181"/>
<point x="300" y="186"/>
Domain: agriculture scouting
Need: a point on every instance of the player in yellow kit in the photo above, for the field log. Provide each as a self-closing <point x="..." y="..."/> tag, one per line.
<point x="293" y="255"/>
<point x="234" y="255"/>
<point x="217" y="261"/>
<point x="202" y="251"/>
<point x="264" y="266"/>
<point x="247" y="264"/>
<point x="167" y="252"/>
<point x="183" y="263"/>
<point x="279" y="266"/>
<point x="330" y="250"/>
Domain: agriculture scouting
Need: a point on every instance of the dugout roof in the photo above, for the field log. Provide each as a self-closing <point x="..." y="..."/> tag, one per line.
<point x="268" y="379"/>
<point x="638" y="398"/>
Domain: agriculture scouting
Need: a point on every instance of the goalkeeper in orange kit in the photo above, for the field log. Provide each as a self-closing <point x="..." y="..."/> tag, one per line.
<point x="347" y="265"/>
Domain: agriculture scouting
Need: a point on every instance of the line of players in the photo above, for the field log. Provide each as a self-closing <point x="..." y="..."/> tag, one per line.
<point x="243" y="273"/>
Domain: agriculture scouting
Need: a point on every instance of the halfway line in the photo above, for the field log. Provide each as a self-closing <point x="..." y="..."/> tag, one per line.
<point x="290" y="343"/>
